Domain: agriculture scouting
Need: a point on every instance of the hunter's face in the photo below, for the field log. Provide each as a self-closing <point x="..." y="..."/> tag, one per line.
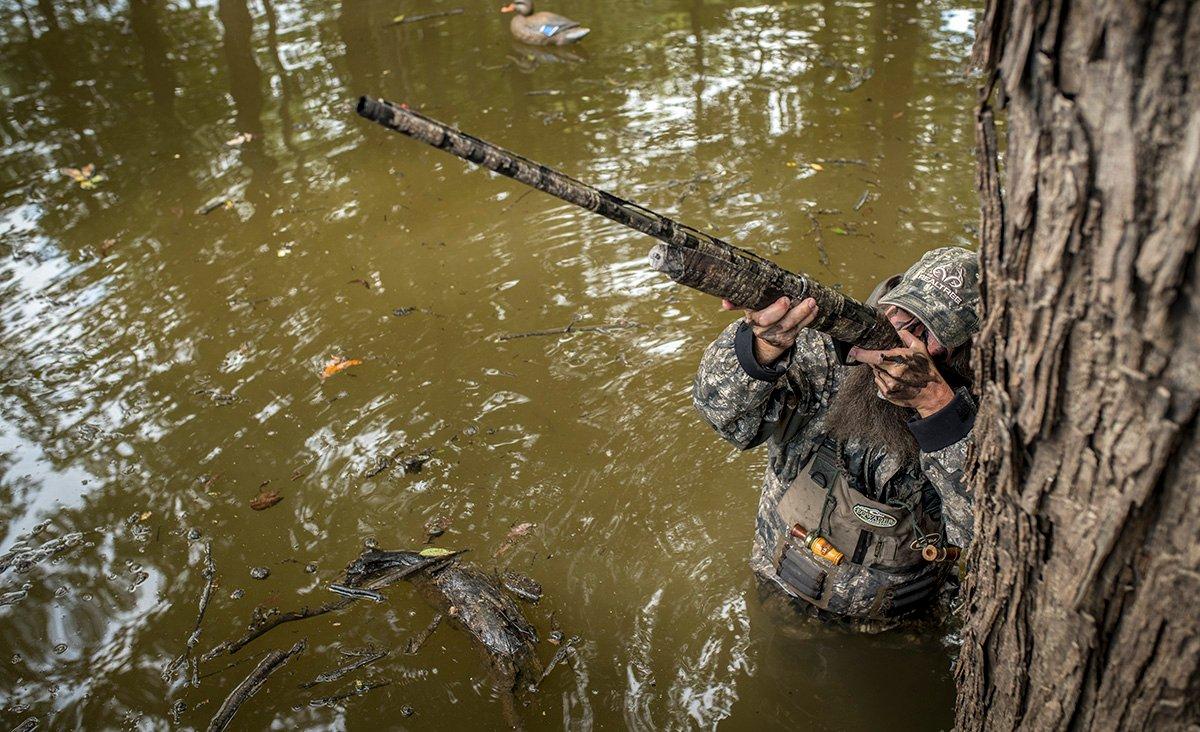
<point x="901" y="319"/>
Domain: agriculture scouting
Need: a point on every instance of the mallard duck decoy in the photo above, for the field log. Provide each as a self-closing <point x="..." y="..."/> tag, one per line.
<point x="542" y="29"/>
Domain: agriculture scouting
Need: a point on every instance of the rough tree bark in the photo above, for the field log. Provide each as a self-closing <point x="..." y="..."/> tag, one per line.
<point x="1083" y="602"/>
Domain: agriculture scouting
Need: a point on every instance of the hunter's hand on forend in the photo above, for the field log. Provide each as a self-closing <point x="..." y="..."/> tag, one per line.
<point x="777" y="326"/>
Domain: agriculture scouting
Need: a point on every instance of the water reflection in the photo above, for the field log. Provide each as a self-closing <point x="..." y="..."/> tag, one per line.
<point x="162" y="366"/>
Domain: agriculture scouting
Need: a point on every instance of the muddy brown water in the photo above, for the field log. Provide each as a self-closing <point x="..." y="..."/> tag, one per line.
<point x="161" y="365"/>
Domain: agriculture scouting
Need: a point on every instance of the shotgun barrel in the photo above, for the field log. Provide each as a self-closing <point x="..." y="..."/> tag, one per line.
<point x="686" y="255"/>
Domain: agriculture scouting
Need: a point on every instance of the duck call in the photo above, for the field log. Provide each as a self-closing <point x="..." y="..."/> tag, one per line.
<point x="817" y="544"/>
<point x="934" y="553"/>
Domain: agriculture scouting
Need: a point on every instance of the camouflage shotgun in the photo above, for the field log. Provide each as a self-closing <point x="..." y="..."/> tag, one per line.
<point x="688" y="256"/>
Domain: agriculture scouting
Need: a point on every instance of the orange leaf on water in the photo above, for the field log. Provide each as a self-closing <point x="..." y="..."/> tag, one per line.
<point x="337" y="364"/>
<point x="265" y="499"/>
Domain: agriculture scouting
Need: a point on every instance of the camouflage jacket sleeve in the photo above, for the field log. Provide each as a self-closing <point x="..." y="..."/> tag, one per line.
<point x="745" y="402"/>
<point x="943" y="438"/>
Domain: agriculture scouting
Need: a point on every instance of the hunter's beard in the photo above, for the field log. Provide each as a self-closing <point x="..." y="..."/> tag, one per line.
<point x="858" y="411"/>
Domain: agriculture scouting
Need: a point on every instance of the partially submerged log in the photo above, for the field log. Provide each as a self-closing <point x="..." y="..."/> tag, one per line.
<point x="471" y="599"/>
<point x="473" y="602"/>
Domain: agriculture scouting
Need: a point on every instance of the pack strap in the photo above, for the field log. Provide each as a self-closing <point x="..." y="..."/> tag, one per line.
<point x="825" y="468"/>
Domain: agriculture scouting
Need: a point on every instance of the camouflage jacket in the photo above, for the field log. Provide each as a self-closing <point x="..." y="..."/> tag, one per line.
<point x="747" y="403"/>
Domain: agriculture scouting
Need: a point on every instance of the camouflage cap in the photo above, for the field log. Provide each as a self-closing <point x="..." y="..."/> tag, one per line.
<point x="942" y="290"/>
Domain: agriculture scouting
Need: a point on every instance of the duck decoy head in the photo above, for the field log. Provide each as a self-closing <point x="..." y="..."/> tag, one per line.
<point x="520" y="7"/>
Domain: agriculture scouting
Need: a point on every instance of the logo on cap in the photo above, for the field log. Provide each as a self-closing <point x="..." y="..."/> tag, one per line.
<point x="947" y="279"/>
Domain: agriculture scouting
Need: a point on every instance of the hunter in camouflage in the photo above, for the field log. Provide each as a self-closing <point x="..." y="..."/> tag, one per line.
<point x="865" y="447"/>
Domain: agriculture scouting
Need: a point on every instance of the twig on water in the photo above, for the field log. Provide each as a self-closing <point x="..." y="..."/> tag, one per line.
<point x="406" y="19"/>
<point x="358" y="689"/>
<point x="209" y="574"/>
<point x="340" y="671"/>
<point x="228" y="666"/>
<point x="821" y="253"/>
<point x="571" y="328"/>
<point x="251" y="684"/>
<point x="727" y="190"/>
<point x="567" y="649"/>
<point x="414" y="644"/>
<point x="519" y="199"/>
<point x="211" y="206"/>
<point x="841" y="161"/>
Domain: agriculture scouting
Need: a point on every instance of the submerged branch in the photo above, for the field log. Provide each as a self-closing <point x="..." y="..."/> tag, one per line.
<point x="383" y="580"/>
<point x="251" y="684"/>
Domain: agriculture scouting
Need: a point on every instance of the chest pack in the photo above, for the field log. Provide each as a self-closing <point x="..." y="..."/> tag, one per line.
<point x="882" y="569"/>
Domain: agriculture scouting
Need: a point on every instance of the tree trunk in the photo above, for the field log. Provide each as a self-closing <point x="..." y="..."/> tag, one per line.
<point x="1083" y="598"/>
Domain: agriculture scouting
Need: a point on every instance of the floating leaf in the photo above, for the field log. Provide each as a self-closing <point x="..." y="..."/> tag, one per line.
<point x="838" y="230"/>
<point x="265" y="499"/>
<point x="520" y="530"/>
<point x="336" y="364"/>
<point x="816" y="166"/>
<point x="434" y="551"/>
<point x="145" y="515"/>
<point x="398" y="19"/>
<point x="85" y="177"/>
<point x="241" y="139"/>
<point x="514" y="534"/>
